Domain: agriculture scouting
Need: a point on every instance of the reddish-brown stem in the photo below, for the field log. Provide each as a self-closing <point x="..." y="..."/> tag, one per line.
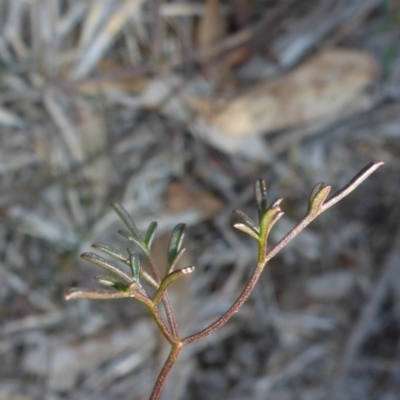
<point x="234" y="308"/>
<point x="357" y="180"/>
<point x="169" y="363"/>
<point x="163" y="327"/>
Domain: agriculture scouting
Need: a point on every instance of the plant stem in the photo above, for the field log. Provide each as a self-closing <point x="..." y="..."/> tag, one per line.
<point x="262" y="260"/>
<point x="169" y="363"/>
<point x="165" y="299"/>
<point x="356" y="181"/>
<point x="234" y="308"/>
<point x="162" y="326"/>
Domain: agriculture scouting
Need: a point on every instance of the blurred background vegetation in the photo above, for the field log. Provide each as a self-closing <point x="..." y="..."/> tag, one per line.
<point x="174" y="108"/>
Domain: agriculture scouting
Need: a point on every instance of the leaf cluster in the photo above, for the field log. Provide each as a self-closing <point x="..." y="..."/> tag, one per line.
<point x="121" y="284"/>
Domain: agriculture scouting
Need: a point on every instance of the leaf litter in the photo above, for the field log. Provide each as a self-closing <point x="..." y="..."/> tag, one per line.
<point x="80" y="128"/>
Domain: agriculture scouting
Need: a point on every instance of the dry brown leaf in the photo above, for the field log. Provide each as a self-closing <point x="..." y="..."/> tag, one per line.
<point x="180" y="198"/>
<point x="118" y="83"/>
<point x="212" y="25"/>
<point x="329" y="86"/>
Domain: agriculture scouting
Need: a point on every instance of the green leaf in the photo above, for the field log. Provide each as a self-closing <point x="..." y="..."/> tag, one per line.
<point x="111" y="251"/>
<point x="168" y="280"/>
<point x="127" y="235"/>
<point x="103" y="263"/>
<point x="150" y="234"/>
<point x="317" y="198"/>
<point x="128" y="221"/>
<point x="175" y="261"/>
<point x="175" y="242"/>
<point x="314" y="191"/>
<point x="246" y="220"/>
<point x="109" y="281"/>
<point x="135" y="265"/>
<point x="267" y="222"/>
<point x="260" y="192"/>
<point x="244" y="228"/>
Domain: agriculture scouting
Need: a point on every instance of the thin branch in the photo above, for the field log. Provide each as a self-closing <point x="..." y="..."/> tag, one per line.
<point x="356" y="181"/>
<point x="154" y="268"/>
<point x="166" y="300"/>
<point x="232" y="310"/>
<point x="262" y="260"/>
<point x="169" y="363"/>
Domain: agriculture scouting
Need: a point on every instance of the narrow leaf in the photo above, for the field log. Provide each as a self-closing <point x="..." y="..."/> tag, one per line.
<point x="269" y="219"/>
<point x="135" y="265"/>
<point x="150" y="234"/>
<point x="111" y="251"/>
<point x="168" y="280"/>
<point x="260" y="192"/>
<point x="93" y="294"/>
<point x="127" y="235"/>
<point x="175" y="242"/>
<point x="317" y="202"/>
<point x="109" y="281"/>
<point x="103" y="263"/>
<point x="267" y="222"/>
<point x="175" y="261"/>
<point x="126" y="218"/>
<point x="277" y="202"/>
<point x="314" y="191"/>
<point x="244" y="228"/>
<point x="246" y="220"/>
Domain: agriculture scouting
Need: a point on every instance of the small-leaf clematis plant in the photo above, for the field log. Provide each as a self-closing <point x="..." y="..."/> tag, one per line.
<point x="121" y="284"/>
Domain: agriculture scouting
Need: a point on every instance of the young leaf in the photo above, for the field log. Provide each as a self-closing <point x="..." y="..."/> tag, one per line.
<point x="260" y="191"/>
<point x="109" y="281"/>
<point x="168" y="280"/>
<point x="126" y="218"/>
<point x="135" y="265"/>
<point x="175" y="242"/>
<point x="150" y="234"/>
<point x="246" y="220"/>
<point x="314" y="191"/>
<point x="317" y="201"/>
<point x="267" y="222"/>
<point x="103" y="263"/>
<point x="244" y="228"/>
<point x="175" y="261"/>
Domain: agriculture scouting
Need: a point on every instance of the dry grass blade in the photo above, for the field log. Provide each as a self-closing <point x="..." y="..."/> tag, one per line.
<point x="366" y="322"/>
<point x="8" y="118"/>
<point x="13" y="28"/>
<point x="65" y="125"/>
<point x="105" y="38"/>
<point x="95" y="17"/>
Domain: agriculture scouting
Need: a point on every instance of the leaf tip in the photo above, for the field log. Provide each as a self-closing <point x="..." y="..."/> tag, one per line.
<point x="188" y="270"/>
